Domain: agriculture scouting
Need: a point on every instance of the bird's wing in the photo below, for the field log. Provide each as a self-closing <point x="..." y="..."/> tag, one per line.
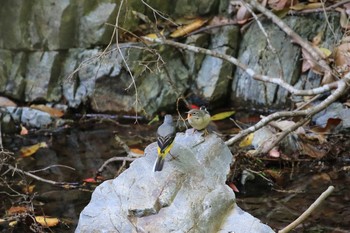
<point x="164" y="142"/>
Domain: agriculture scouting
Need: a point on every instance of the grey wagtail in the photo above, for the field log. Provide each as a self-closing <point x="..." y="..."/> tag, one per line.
<point x="166" y="134"/>
<point x="199" y="119"/>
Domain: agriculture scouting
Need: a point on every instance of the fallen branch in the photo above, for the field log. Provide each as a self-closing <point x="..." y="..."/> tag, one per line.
<point x="66" y="184"/>
<point x="307" y="212"/>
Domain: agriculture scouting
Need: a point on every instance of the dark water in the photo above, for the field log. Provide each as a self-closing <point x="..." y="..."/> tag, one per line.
<point x="87" y="145"/>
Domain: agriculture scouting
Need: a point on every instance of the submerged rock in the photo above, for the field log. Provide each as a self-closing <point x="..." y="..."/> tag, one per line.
<point x="188" y="195"/>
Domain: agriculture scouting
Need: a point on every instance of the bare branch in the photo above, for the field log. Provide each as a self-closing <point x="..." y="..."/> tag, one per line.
<point x="52" y="166"/>
<point x="244" y="67"/>
<point x="307" y="212"/>
<point x="113" y="159"/>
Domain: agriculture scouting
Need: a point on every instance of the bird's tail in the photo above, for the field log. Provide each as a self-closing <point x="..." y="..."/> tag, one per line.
<point x="158" y="166"/>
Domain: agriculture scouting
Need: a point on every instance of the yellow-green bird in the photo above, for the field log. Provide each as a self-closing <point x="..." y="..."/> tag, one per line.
<point x="165" y="138"/>
<point x="199" y="119"/>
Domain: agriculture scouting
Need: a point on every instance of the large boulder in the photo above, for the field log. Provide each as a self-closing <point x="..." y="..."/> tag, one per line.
<point x="188" y="195"/>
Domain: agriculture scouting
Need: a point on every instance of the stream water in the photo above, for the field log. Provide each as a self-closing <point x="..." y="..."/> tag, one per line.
<point x="85" y="146"/>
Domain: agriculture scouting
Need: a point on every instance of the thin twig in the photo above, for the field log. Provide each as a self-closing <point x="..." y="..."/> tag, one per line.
<point x="15" y="169"/>
<point x="52" y="166"/>
<point x="113" y="159"/>
<point x="307" y="212"/>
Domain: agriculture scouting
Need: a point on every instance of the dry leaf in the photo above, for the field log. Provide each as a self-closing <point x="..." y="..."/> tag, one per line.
<point x="318" y="38"/>
<point x="28" y="189"/>
<point x="222" y="115"/>
<point x="52" y="111"/>
<point x="94" y="179"/>
<point x="243" y="14"/>
<point x="344" y="21"/>
<point x="233" y="187"/>
<point x="155" y="119"/>
<point x="274" y="153"/>
<point x="47" y="221"/>
<point x="13" y="223"/>
<point x="137" y="151"/>
<point x="303" y="6"/>
<point x="16" y="210"/>
<point x="24" y="130"/>
<point x="184" y="30"/>
<point x="247" y="141"/>
<point x="331" y="124"/>
<point x="314" y="65"/>
<point x="311" y="151"/>
<point x="325" y="52"/>
<point x="342" y="56"/>
<point x="30" y="150"/>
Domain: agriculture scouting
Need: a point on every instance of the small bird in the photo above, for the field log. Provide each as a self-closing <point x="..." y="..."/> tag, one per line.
<point x="199" y="119"/>
<point x="166" y="134"/>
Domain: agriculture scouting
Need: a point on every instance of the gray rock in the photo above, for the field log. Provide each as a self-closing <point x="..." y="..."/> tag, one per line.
<point x="42" y="76"/>
<point x="51" y="24"/>
<point x="285" y="63"/>
<point x="29" y="117"/>
<point x="335" y="110"/>
<point x="188" y="195"/>
<point x="194" y="60"/>
<point x="158" y="86"/>
<point x="215" y="74"/>
<point x="14" y="18"/>
<point x="92" y="26"/>
<point x="196" y="7"/>
<point x="12" y="73"/>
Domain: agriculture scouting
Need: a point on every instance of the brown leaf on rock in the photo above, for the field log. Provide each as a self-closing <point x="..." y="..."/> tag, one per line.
<point x="312" y="64"/>
<point x="52" y="111"/>
<point x="331" y="124"/>
<point x="342" y="57"/>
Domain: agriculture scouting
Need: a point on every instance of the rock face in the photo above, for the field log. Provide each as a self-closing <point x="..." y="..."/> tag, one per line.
<point x="285" y="62"/>
<point x="51" y="51"/>
<point x="189" y="195"/>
